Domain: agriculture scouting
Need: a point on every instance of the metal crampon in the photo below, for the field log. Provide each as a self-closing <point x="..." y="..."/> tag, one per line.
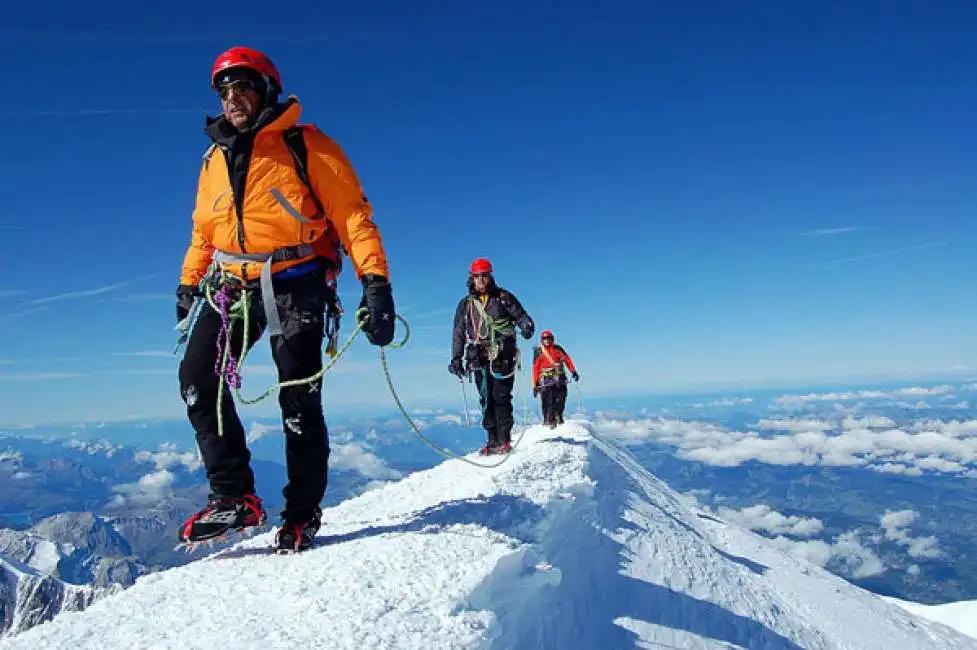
<point x="237" y="535"/>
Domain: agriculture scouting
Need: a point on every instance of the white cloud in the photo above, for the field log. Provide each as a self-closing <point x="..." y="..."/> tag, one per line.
<point x="795" y="401"/>
<point x="168" y="457"/>
<point x="724" y="401"/>
<point x="847" y="551"/>
<point x="954" y="428"/>
<point x="873" y="442"/>
<point x="937" y="464"/>
<point x="40" y="376"/>
<point x="82" y="293"/>
<point x="896" y="468"/>
<point x="20" y="314"/>
<point x="260" y="430"/>
<point x="821" y="232"/>
<point x="869" y="422"/>
<point x="876" y="255"/>
<point x="893" y="522"/>
<point x="20" y="476"/>
<point x="93" y="447"/>
<point x="933" y="390"/>
<point x="790" y="424"/>
<point x="355" y="457"/>
<point x="11" y="455"/>
<point x="861" y="562"/>
<point x="148" y="490"/>
<point x="799" y="400"/>
<point x="763" y="518"/>
<point x="895" y="525"/>
<point x="448" y="418"/>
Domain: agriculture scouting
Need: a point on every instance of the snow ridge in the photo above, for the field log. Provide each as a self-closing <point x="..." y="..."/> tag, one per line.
<point x="570" y="544"/>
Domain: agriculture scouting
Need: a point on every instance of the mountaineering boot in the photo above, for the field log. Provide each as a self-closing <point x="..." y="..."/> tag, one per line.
<point x="295" y="536"/>
<point x="504" y="448"/>
<point x="221" y="516"/>
<point x="487" y="450"/>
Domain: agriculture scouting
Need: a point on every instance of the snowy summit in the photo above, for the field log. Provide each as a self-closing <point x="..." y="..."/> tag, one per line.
<point x="568" y="544"/>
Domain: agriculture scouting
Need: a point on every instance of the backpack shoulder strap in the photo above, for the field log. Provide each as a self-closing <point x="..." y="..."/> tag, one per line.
<point x="549" y="357"/>
<point x="208" y="154"/>
<point x="295" y="143"/>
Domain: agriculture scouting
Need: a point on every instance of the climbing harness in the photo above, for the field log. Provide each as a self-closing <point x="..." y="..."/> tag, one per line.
<point x="229" y="368"/>
<point x="485" y="328"/>
<point x="555" y="368"/>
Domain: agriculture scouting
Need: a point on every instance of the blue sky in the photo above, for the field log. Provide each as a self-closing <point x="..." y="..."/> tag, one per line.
<point x="724" y="193"/>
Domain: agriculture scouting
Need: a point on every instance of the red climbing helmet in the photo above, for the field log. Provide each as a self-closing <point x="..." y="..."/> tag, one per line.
<point x="481" y="265"/>
<point x="547" y="334"/>
<point x="245" y="57"/>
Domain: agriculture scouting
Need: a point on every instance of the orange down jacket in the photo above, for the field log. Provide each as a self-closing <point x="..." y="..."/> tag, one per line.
<point x="264" y="224"/>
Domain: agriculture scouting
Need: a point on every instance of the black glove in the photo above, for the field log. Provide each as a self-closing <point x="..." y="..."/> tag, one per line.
<point x="456" y="368"/>
<point x="185" y="294"/>
<point x="528" y="331"/>
<point x="380" y="316"/>
<point x="575" y="375"/>
<point x="535" y="391"/>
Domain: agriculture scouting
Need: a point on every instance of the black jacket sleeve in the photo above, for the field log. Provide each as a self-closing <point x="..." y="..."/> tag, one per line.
<point x="522" y="319"/>
<point x="458" y="331"/>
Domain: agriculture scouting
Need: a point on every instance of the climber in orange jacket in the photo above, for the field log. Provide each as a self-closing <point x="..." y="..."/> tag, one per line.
<point x="276" y="205"/>
<point x="549" y="378"/>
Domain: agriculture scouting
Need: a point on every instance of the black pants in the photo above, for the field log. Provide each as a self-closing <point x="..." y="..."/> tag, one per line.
<point x="495" y="397"/>
<point x="554" y="399"/>
<point x="297" y="354"/>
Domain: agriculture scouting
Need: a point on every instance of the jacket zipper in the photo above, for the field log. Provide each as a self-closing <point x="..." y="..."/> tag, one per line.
<point x="238" y="209"/>
<point x="238" y="198"/>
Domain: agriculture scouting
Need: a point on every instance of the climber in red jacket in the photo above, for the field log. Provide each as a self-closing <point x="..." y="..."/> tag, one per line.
<point x="550" y="368"/>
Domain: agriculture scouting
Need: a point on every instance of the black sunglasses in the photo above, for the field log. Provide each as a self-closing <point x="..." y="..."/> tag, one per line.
<point x="240" y="85"/>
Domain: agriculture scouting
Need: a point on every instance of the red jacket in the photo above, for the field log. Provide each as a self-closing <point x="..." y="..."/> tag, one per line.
<point x="551" y="360"/>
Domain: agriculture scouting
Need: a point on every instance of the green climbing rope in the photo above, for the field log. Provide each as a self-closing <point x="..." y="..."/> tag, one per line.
<point x="417" y="431"/>
<point x="494" y="326"/>
<point x="240" y="309"/>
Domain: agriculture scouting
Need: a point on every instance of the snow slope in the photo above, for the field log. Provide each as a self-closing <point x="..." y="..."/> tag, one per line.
<point x="961" y="616"/>
<point x="569" y="544"/>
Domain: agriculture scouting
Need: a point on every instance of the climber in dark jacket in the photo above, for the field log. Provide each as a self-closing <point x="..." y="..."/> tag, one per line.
<point x="484" y="347"/>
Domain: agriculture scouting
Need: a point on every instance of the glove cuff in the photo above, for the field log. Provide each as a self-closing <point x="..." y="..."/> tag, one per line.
<point x="373" y="280"/>
<point x="187" y="290"/>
